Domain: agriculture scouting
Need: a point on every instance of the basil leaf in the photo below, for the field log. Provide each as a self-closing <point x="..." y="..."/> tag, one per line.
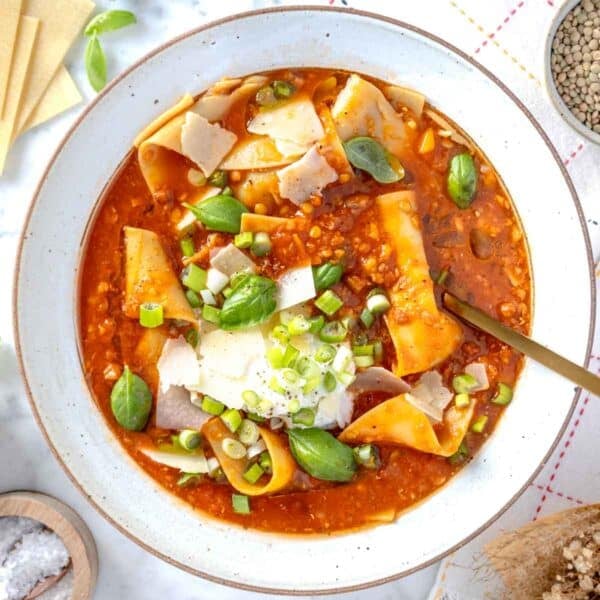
<point x="131" y="401"/>
<point x="219" y="213"/>
<point x="95" y="63"/>
<point x="251" y="303"/>
<point x="326" y="275"/>
<point x="109" y="21"/>
<point x="462" y="180"/>
<point x="369" y="155"/>
<point x="322" y="455"/>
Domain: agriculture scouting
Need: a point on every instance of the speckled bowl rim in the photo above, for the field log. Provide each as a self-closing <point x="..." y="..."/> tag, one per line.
<point x="401" y="25"/>
<point x="559" y="103"/>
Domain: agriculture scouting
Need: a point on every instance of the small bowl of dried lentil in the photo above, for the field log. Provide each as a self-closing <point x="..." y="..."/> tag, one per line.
<point x="573" y="65"/>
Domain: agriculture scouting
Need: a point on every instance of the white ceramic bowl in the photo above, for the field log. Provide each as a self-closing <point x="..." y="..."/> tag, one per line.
<point x="45" y="299"/>
<point x="559" y="103"/>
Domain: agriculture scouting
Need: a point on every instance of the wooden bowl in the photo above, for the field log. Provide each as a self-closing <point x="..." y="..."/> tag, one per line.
<point x="68" y="525"/>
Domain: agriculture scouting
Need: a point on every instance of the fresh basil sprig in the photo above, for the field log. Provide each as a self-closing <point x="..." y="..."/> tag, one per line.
<point x="462" y="180"/>
<point x="131" y="401"/>
<point x="95" y="60"/>
<point x="110" y="20"/>
<point x="369" y="155"/>
<point x="251" y="303"/>
<point x="322" y="455"/>
<point x="219" y="213"/>
<point x="95" y="63"/>
<point x="326" y="275"/>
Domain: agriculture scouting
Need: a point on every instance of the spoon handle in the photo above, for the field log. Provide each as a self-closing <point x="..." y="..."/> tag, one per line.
<point x="523" y="344"/>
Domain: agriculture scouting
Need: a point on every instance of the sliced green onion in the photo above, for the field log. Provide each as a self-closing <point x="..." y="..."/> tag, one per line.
<point x="248" y="432"/>
<point x="256" y="418"/>
<point x="261" y="245"/>
<point x="265" y="405"/>
<point x="233" y="448"/>
<point x="275" y="357"/>
<point x="504" y="395"/>
<point x="276" y="386"/>
<point x="212" y="314"/>
<point x="188" y="478"/>
<point x="441" y="278"/>
<point x="305" y="416"/>
<point x="194" y="277"/>
<point x="464" y="383"/>
<point x="378" y="304"/>
<point x="232" y="418"/>
<point x="479" y="424"/>
<point x="211" y="406"/>
<point x="461" y="400"/>
<point x="227" y="191"/>
<point x="194" y="300"/>
<point x="240" y="504"/>
<point x="307" y="367"/>
<point x="250" y="398"/>
<point x="290" y="355"/>
<point x="280" y="334"/>
<point x="293" y="406"/>
<point x="312" y="383"/>
<point x="346" y="378"/>
<point x="364" y="361"/>
<point x="282" y="89"/>
<point x="266" y="96"/>
<point x="329" y="382"/>
<point x="325" y="353"/>
<point x="192" y="337"/>
<point x="367" y="317"/>
<point x="244" y="239"/>
<point x="460" y="455"/>
<point x="253" y="473"/>
<point x="264" y="460"/>
<point x="298" y="325"/>
<point x="290" y="375"/>
<point x="333" y="332"/>
<point x="189" y="439"/>
<point x="316" y="324"/>
<point x="367" y="455"/>
<point x="227" y="291"/>
<point x="363" y="350"/>
<point x="238" y="278"/>
<point x="187" y="246"/>
<point x="329" y="302"/>
<point x="218" y="179"/>
<point x="151" y="314"/>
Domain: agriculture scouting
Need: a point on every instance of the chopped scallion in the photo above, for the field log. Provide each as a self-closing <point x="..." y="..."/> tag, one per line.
<point x="305" y="416"/>
<point x="256" y="418"/>
<point x="462" y="400"/>
<point x="312" y="383"/>
<point x="233" y="448"/>
<point x="275" y="357"/>
<point x="377" y="350"/>
<point x="504" y="395"/>
<point x="293" y="406"/>
<point x="329" y="382"/>
<point x="151" y="314"/>
<point x="248" y="432"/>
<point x="240" y="504"/>
<point x="290" y="355"/>
<point x="211" y="406"/>
<point x="194" y="277"/>
<point x="194" y="300"/>
<point x="364" y="361"/>
<point x="227" y="292"/>
<point x="325" y="353"/>
<point x="378" y="304"/>
<point x="363" y="350"/>
<point x="282" y="89"/>
<point x="367" y="455"/>
<point x="212" y="314"/>
<point x="460" y="455"/>
<point x="333" y="332"/>
<point x="316" y="324"/>
<point x="479" y="424"/>
<point x="280" y="334"/>
<point x="298" y="325"/>
<point x="218" y="179"/>
<point x="264" y="460"/>
<point x="464" y="383"/>
<point x="276" y="386"/>
<point x="250" y="398"/>
<point x="244" y="239"/>
<point x="187" y="246"/>
<point x="345" y="378"/>
<point x="441" y="278"/>
<point x="307" y="368"/>
<point x="329" y="302"/>
<point x="261" y="245"/>
<point x="253" y="473"/>
<point x="188" y="478"/>
<point x="189" y="439"/>
<point x="232" y="418"/>
<point x="367" y="317"/>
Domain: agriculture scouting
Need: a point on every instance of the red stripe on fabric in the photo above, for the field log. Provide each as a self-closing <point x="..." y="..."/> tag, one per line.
<point x="573" y="154"/>
<point x="491" y="36"/>
<point x="557" y="493"/>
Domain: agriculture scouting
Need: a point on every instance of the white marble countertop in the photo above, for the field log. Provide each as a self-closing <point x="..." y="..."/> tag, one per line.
<point x="126" y="570"/>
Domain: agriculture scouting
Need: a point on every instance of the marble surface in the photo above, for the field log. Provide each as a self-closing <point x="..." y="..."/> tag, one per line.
<point x="126" y="570"/>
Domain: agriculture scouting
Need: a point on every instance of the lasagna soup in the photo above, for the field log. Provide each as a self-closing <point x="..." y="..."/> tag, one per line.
<point x="260" y="311"/>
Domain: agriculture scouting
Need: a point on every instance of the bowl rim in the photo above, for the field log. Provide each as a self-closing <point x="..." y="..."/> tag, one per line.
<point x="559" y="104"/>
<point x="105" y="92"/>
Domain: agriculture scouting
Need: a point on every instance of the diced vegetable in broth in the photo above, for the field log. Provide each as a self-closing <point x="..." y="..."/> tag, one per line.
<point x="259" y="306"/>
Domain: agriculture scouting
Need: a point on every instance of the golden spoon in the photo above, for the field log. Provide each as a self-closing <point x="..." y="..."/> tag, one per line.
<point x="523" y="344"/>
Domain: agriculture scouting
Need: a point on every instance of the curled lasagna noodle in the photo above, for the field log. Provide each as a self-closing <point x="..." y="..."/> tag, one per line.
<point x="422" y="335"/>
<point x="284" y="466"/>
<point x="397" y="421"/>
